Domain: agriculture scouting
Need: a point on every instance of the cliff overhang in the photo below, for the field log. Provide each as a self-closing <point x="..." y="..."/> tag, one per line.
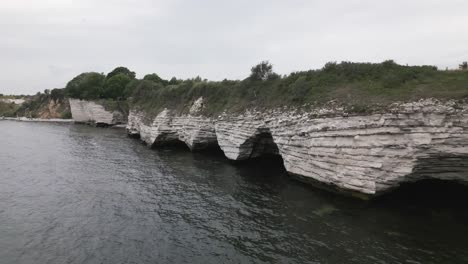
<point x="363" y="154"/>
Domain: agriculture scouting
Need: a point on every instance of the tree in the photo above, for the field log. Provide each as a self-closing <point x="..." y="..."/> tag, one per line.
<point x="57" y="94"/>
<point x="121" y="70"/>
<point x="143" y="89"/>
<point x="464" y="66"/>
<point x="131" y="86"/>
<point x="330" y="66"/>
<point x="389" y="63"/>
<point x="173" y="81"/>
<point x="262" y="71"/>
<point x="87" y="85"/>
<point x="153" y="77"/>
<point x="114" y="87"/>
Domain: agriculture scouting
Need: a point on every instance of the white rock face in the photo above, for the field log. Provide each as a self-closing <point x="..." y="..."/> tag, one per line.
<point x="366" y="154"/>
<point x="196" y="131"/>
<point x="91" y="112"/>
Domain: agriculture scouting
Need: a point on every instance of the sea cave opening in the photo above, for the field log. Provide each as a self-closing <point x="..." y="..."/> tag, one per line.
<point x="173" y="143"/>
<point x="436" y="180"/>
<point x="430" y="193"/>
<point x="265" y="152"/>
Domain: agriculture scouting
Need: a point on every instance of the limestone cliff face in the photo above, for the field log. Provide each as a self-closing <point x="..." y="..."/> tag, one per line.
<point x="366" y="154"/>
<point x="196" y="131"/>
<point x="91" y="112"/>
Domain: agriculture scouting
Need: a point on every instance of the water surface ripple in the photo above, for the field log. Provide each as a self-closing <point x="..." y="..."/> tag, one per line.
<point x="77" y="194"/>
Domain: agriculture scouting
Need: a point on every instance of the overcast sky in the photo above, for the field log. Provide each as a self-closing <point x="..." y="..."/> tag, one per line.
<point x="45" y="43"/>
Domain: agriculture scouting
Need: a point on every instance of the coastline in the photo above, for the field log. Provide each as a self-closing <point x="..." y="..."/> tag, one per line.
<point x="25" y="119"/>
<point x="53" y="120"/>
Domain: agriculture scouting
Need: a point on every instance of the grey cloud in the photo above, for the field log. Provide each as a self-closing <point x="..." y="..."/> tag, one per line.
<point x="46" y="43"/>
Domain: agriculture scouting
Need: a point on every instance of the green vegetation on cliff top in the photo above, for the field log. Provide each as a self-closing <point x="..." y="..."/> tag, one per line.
<point x="360" y="87"/>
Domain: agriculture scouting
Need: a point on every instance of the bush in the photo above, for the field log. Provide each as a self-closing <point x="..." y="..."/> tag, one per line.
<point x="66" y="114"/>
<point x="299" y="89"/>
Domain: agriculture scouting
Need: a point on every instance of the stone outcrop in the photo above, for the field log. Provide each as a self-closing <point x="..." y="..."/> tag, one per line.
<point x="364" y="154"/>
<point x="93" y="113"/>
<point x="197" y="132"/>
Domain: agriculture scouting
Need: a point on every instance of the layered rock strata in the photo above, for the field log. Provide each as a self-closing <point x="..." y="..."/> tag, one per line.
<point x="93" y="113"/>
<point x="196" y="132"/>
<point x="367" y="154"/>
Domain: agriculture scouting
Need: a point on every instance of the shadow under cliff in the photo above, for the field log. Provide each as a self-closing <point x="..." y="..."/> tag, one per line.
<point x="428" y="193"/>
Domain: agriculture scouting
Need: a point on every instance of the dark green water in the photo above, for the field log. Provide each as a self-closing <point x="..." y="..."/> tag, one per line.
<point x="76" y="194"/>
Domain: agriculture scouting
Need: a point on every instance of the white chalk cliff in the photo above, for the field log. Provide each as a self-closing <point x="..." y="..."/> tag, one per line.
<point x="196" y="131"/>
<point x="366" y="154"/>
<point x="91" y="112"/>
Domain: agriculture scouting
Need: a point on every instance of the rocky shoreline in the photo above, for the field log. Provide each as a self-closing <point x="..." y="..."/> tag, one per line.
<point x="360" y="154"/>
<point x="364" y="155"/>
<point x="26" y="119"/>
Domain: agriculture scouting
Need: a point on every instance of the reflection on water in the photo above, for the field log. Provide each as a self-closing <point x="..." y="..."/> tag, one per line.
<point x="77" y="194"/>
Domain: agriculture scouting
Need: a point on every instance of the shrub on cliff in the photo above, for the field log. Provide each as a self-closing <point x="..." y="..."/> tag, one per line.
<point x="57" y="94"/>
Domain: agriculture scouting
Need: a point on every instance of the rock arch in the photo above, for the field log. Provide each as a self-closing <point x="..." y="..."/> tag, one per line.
<point x="167" y="139"/>
<point x="261" y="144"/>
<point x="242" y="140"/>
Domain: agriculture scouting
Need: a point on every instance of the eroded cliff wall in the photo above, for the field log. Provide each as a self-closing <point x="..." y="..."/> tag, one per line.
<point x="91" y="112"/>
<point x="366" y="154"/>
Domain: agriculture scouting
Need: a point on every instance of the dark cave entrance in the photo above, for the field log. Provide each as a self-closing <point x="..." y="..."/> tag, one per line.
<point x="264" y="145"/>
<point x="265" y="152"/>
<point x="163" y="142"/>
<point x="438" y="178"/>
<point x="429" y="193"/>
<point x="133" y="135"/>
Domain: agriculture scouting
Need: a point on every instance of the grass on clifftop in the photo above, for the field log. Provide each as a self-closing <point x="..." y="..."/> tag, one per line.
<point x="360" y="87"/>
